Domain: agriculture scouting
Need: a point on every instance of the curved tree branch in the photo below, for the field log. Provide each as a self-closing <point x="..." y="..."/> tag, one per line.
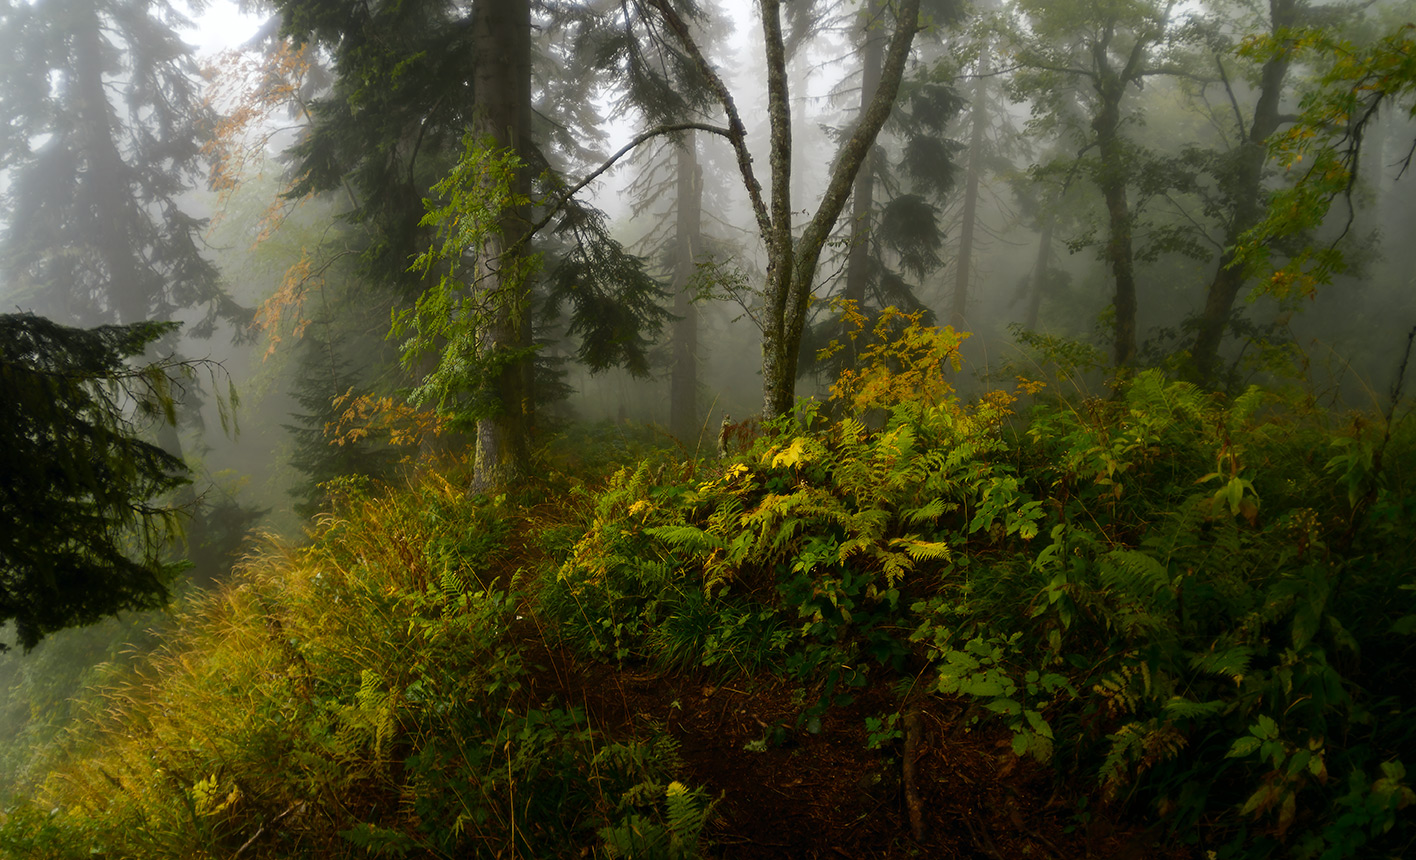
<point x="737" y="132"/>
<point x="639" y="139"/>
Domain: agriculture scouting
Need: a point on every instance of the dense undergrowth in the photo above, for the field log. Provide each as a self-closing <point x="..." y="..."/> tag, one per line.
<point x="359" y="696"/>
<point x="1197" y="610"/>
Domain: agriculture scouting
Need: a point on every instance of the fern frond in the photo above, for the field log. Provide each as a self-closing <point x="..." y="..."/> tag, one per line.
<point x="451" y="584"/>
<point x="686" y="537"/>
<point x="921" y="550"/>
<point x="931" y="511"/>
<point x="1133" y="573"/>
<point x="1125" y="742"/>
<point x="1181" y="708"/>
<point x="1231" y="662"/>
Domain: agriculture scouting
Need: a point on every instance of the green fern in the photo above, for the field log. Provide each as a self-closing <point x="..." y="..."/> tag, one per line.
<point x="1133" y="573"/>
<point x="687" y="538"/>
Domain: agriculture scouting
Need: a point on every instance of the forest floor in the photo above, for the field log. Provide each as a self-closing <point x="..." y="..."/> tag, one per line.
<point x="786" y="792"/>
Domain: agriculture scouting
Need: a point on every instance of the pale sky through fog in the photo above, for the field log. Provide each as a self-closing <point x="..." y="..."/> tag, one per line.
<point x="219" y="27"/>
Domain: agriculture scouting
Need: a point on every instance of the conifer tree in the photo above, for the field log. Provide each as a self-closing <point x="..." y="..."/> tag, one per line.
<point x="325" y="379"/>
<point x="80" y="531"/>
<point x="894" y="233"/>
<point x="412" y="80"/>
<point x="688" y="241"/>
<point x="896" y="207"/>
<point x="657" y="85"/>
<point x="103" y="134"/>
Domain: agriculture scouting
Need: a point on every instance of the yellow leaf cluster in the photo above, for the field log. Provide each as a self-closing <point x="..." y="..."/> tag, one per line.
<point x="399" y="424"/>
<point x="904" y="361"/>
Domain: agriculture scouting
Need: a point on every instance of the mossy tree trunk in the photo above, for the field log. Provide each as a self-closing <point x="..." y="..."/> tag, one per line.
<point x="502" y="88"/>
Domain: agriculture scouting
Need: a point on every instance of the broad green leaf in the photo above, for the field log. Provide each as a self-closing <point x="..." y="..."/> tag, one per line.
<point x="1243" y="747"/>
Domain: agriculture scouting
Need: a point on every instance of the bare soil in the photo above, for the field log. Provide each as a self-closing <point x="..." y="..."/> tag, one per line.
<point x="791" y="789"/>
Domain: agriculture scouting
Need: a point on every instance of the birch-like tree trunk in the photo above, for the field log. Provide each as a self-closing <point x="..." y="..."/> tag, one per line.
<point x="791" y="268"/>
<point x="792" y="261"/>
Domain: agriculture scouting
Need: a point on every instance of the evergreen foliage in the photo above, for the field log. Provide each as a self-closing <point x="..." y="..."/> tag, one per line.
<point x="82" y="528"/>
<point x="1194" y="608"/>
<point x="103" y="133"/>
<point x="325" y="386"/>
<point x="415" y="95"/>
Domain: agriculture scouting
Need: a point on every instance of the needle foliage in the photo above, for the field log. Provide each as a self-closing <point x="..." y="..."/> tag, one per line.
<point x="82" y="527"/>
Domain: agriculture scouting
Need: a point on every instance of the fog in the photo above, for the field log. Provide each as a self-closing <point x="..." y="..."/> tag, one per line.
<point x="202" y="191"/>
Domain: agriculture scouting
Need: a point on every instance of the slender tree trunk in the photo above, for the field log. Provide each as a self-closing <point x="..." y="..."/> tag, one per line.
<point x="963" y="269"/>
<point x="502" y="84"/>
<point x="779" y="349"/>
<point x="1120" y="255"/>
<point x="872" y="57"/>
<point x="791" y="267"/>
<point x="1247" y="193"/>
<point x="683" y="384"/>
<point x="1040" y="271"/>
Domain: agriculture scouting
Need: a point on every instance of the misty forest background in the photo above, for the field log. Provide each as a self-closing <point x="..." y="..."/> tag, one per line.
<point x="924" y="371"/>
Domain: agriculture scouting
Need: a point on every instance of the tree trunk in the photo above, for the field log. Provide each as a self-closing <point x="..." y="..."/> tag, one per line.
<point x="1112" y="181"/>
<point x="683" y="384"/>
<point x="1040" y="271"/>
<point x="1113" y="176"/>
<point x="963" y="268"/>
<point x="126" y="296"/>
<point x="502" y="86"/>
<point x="1247" y="195"/>
<point x="872" y="56"/>
<point x="791" y="266"/>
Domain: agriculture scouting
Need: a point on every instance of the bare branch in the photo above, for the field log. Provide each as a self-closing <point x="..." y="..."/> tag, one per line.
<point x="640" y="138"/>
<point x="737" y="132"/>
<point x="1234" y="102"/>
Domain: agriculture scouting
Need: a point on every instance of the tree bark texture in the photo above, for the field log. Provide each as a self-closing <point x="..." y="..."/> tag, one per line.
<point x="683" y="383"/>
<point x="791" y="269"/>
<point x="872" y="56"/>
<point x="502" y="92"/>
<point x="1247" y="191"/>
